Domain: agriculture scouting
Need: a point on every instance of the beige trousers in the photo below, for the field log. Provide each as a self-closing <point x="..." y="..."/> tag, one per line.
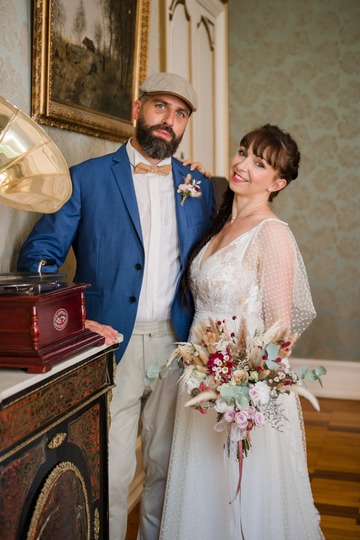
<point x="151" y="343"/>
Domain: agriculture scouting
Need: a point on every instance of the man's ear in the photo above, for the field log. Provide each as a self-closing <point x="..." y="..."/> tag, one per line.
<point x="135" y="109"/>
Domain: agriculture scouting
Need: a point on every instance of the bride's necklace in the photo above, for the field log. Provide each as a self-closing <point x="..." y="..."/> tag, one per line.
<point x="234" y="218"/>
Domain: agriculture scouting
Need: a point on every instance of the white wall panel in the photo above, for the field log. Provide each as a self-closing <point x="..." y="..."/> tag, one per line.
<point x="196" y="48"/>
<point x="180" y="40"/>
<point x="204" y="128"/>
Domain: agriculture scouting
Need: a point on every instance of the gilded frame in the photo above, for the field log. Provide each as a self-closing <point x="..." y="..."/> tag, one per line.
<point x="50" y="47"/>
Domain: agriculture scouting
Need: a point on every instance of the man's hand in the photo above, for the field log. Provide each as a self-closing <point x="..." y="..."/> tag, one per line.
<point x="112" y="337"/>
<point x="196" y="165"/>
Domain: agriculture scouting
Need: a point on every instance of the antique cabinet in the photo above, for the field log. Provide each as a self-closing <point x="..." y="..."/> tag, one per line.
<point x="54" y="449"/>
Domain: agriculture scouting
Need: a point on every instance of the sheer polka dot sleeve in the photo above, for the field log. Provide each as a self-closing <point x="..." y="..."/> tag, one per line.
<point x="283" y="282"/>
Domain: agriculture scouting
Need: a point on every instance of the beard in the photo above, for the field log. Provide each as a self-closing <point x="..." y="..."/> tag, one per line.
<point x="156" y="147"/>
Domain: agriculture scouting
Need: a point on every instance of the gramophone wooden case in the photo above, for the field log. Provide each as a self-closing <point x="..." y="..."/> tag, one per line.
<point x="39" y="330"/>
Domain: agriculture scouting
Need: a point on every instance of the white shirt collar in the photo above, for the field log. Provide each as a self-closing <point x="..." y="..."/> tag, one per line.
<point x="135" y="157"/>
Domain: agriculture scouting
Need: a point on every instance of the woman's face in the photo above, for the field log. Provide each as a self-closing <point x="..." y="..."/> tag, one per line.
<point x="251" y="175"/>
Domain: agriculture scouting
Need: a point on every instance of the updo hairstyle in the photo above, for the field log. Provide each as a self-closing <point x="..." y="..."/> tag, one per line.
<point x="278" y="148"/>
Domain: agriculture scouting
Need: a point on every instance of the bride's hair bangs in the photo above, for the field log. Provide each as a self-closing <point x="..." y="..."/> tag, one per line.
<point x="277" y="147"/>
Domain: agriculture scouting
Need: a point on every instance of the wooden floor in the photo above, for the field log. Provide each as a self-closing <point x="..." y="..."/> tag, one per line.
<point x="333" y="447"/>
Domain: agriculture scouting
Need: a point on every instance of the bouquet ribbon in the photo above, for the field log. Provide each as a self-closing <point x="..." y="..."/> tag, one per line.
<point x="238" y="488"/>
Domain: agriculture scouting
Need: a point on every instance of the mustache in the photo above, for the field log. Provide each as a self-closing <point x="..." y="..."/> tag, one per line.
<point x="163" y="127"/>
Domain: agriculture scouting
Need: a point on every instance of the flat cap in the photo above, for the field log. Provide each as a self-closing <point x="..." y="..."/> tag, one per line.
<point x="170" y="83"/>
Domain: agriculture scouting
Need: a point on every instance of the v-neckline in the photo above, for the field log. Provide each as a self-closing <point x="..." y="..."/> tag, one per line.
<point x="202" y="261"/>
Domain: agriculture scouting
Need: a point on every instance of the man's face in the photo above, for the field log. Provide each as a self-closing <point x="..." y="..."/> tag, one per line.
<point x="161" y="120"/>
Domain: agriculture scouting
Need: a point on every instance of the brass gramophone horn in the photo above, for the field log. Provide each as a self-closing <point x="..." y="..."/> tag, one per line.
<point x="34" y="175"/>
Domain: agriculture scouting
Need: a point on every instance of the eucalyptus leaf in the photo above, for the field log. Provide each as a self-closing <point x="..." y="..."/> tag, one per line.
<point x="242" y="402"/>
<point x="235" y="394"/>
<point x="271" y="365"/>
<point x="302" y="371"/>
<point x="272" y="351"/>
<point x="153" y="371"/>
<point x="151" y="374"/>
<point x="310" y="376"/>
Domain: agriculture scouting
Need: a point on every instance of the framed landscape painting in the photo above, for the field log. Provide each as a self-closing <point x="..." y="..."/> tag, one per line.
<point x="89" y="57"/>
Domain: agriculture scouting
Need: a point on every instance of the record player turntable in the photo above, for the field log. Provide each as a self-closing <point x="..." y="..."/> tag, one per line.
<point x="42" y="320"/>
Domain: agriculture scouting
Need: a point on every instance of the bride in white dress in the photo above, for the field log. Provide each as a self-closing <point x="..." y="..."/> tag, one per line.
<point x="250" y="267"/>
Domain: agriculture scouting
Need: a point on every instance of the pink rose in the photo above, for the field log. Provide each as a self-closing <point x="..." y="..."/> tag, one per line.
<point x="259" y="418"/>
<point x="251" y="412"/>
<point x="241" y="419"/>
<point x="254" y="393"/>
<point x="229" y="415"/>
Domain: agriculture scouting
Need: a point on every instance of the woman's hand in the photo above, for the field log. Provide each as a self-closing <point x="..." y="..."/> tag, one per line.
<point x="112" y="337"/>
<point x="196" y="165"/>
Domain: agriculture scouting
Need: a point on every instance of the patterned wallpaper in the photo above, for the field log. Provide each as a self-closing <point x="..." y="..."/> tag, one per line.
<point x="297" y="64"/>
<point x="291" y="63"/>
<point x="15" y="86"/>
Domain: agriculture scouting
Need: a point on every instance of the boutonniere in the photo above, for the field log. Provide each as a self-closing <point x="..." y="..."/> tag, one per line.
<point x="190" y="188"/>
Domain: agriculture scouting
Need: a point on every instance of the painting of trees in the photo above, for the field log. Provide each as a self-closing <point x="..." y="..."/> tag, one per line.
<point x="79" y="24"/>
<point x="95" y="54"/>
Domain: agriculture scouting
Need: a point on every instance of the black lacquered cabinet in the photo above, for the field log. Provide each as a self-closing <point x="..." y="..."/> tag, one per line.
<point x="54" y="449"/>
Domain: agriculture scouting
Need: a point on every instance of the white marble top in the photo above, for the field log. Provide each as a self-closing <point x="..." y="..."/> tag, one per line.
<point x="14" y="380"/>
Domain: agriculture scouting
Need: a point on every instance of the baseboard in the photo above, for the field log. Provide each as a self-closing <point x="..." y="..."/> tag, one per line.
<point x="342" y="380"/>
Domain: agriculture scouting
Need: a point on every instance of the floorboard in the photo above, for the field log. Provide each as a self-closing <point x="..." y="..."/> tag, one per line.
<point x="333" y="453"/>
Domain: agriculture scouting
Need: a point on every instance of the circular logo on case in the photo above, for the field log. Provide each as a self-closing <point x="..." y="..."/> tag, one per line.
<point x="61" y="318"/>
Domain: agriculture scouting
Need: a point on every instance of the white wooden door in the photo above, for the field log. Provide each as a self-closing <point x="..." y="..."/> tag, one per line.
<point x="196" y="48"/>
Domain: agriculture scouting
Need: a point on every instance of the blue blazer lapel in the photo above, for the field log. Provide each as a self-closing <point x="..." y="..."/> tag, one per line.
<point x="179" y="173"/>
<point x="123" y="176"/>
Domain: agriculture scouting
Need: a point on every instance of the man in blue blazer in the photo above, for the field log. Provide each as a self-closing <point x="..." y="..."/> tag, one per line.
<point x="131" y="229"/>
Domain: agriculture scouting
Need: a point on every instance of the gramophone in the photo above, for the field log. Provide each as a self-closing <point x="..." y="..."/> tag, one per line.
<point x="42" y="318"/>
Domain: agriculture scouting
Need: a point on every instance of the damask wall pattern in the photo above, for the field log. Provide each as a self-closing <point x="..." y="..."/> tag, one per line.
<point x="297" y="64"/>
<point x="15" y="86"/>
<point x="292" y="63"/>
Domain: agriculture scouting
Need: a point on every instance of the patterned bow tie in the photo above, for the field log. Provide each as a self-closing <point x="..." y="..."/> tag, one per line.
<point x="142" y="168"/>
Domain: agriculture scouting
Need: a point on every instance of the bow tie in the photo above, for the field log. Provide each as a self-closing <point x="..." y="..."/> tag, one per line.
<point x="142" y="168"/>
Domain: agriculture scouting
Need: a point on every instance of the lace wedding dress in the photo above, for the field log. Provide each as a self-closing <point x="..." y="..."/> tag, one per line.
<point x="260" y="276"/>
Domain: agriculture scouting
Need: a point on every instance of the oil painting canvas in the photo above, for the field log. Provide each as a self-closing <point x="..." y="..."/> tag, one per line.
<point x="89" y="58"/>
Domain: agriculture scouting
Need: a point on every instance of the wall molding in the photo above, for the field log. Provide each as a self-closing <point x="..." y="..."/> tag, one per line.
<point x="342" y="380"/>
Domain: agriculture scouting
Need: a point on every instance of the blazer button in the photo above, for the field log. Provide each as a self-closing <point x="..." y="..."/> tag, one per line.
<point x="132" y="299"/>
<point x="138" y="266"/>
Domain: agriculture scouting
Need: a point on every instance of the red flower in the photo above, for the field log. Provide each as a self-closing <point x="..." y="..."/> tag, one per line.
<point x="217" y="363"/>
<point x="204" y="387"/>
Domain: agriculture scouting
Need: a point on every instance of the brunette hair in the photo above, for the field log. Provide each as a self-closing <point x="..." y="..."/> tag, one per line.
<point x="280" y="150"/>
